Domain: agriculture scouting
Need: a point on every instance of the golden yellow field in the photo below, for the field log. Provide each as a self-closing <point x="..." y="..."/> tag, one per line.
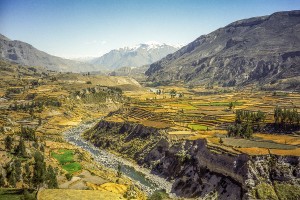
<point x="197" y="114"/>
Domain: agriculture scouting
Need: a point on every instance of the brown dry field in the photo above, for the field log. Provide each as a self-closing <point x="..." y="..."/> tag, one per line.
<point x="212" y="111"/>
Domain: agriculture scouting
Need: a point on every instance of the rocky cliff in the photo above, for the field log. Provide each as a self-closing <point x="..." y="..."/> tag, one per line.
<point x="198" y="169"/>
<point x="261" y="50"/>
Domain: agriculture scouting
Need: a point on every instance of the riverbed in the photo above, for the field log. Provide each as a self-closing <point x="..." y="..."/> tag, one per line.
<point x="140" y="176"/>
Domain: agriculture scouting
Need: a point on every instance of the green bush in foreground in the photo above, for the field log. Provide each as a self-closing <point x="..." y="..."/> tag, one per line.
<point x="265" y="192"/>
<point x="159" y="195"/>
<point x="287" y="191"/>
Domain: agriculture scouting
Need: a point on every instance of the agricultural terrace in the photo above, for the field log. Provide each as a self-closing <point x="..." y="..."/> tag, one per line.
<point x="200" y="113"/>
<point x="36" y="107"/>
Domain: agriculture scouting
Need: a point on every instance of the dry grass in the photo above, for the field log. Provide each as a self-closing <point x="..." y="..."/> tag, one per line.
<point x="64" y="194"/>
<point x="155" y="124"/>
<point x="254" y="151"/>
<point x="282" y="152"/>
<point x="110" y="187"/>
<point x="282" y="139"/>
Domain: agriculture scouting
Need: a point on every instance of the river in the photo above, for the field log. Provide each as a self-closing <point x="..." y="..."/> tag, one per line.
<point x="140" y="176"/>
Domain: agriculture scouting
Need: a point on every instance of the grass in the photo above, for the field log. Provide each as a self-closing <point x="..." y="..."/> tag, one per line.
<point x="47" y="194"/>
<point x="72" y="167"/>
<point x="11" y="194"/>
<point x="198" y="127"/>
<point x="220" y="104"/>
<point x="65" y="158"/>
<point x="244" y="143"/>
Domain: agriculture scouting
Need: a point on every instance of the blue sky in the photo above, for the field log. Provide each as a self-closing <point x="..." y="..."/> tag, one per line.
<point x="75" y="28"/>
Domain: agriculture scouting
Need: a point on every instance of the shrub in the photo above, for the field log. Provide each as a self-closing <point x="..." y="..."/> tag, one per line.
<point x="265" y="191"/>
<point x="159" y="195"/>
<point x="69" y="176"/>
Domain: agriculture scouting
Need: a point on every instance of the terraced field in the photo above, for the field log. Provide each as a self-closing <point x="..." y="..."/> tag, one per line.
<point x="207" y="114"/>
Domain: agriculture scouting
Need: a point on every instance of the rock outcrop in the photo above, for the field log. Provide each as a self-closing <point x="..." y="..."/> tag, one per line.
<point x="197" y="170"/>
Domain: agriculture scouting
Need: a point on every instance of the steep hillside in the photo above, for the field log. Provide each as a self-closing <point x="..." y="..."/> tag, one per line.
<point x="263" y="50"/>
<point x="136" y="56"/>
<point x="138" y="73"/>
<point x="25" y="54"/>
<point x="198" y="169"/>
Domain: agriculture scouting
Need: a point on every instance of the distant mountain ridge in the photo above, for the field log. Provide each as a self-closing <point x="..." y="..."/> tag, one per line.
<point x="138" y="73"/>
<point x="136" y="56"/>
<point x="25" y="54"/>
<point x="263" y="50"/>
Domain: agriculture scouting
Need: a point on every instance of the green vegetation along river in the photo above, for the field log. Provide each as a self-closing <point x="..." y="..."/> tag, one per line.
<point x="141" y="176"/>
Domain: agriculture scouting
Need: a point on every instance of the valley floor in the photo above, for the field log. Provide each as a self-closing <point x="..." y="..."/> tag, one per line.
<point x="168" y="132"/>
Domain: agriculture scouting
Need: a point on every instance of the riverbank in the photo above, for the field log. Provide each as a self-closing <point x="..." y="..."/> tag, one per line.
<point x="142" y="177"/>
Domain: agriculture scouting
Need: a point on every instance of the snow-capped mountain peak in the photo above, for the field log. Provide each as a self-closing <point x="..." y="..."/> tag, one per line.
<point x="150" y="45"/>
<point x="135" y="56"/>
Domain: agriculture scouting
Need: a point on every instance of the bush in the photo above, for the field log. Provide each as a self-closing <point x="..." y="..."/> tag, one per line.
<point x="265" y="191"/>
<point x="69" y="176"/>
<point x="287" y="191"/>
<point x="28" y="196"/>
<point x="159" y="195"/>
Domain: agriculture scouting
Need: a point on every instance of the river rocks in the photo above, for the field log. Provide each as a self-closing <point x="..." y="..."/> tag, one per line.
<point x="141" y="177"/>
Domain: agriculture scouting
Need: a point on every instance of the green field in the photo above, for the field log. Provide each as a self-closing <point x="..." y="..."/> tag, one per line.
<point x="65" y="158"/>
<point x="72" y="167"/>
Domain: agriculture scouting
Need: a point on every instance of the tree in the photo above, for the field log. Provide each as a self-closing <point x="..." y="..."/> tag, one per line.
<point x="2" y="180"/>
<point x="11" y="174"/>
<point x="21" y="149"/>
<point x="28" y="196"/>
<point x="39" y="170"/>
<point x="18" y="169"/>
<point x="231" y="105"/>
<point x="51" y="178"/>
<point x="12" y="179"/>
<point x="27" y="174"/>
<point x="28" y="133"/>
<point x="8" y="142"/>
<point x="119" y="172"/>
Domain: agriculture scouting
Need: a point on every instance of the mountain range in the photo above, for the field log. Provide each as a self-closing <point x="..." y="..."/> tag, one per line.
<point x="261" y="50"/>
<point x="139" y="55"/>
<point x="136" y="56"/>
<point x="25" y="54"/>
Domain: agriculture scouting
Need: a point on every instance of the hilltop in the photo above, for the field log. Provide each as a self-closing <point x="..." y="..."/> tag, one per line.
<point x="25" y="54"/>
<point x="261" y="50"/>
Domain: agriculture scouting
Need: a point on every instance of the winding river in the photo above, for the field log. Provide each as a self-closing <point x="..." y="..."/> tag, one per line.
<point x="140" y="176"/>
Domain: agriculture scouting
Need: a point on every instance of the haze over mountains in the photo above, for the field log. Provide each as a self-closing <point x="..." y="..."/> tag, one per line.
<point x="25" y="54"/>
<point x="139" y="55"/>
<point x="264" y="50"/>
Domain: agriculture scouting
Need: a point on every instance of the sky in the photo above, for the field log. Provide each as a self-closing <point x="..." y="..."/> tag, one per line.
<point x="81" y="28"/>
